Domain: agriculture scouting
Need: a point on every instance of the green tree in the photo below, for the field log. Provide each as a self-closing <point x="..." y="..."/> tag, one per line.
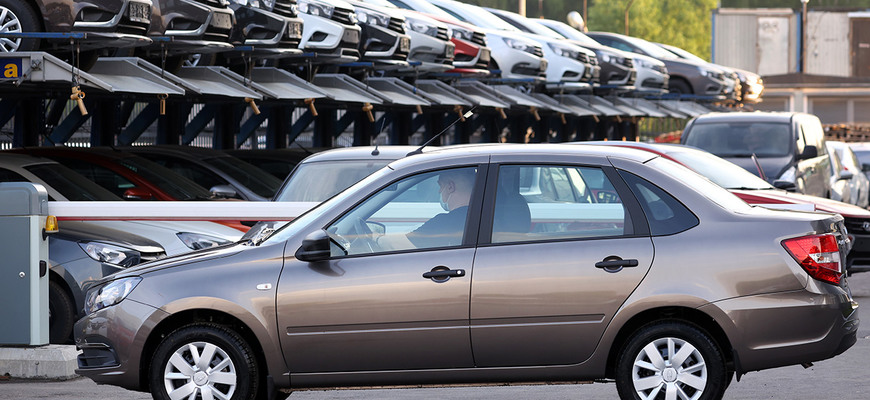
<point x="683" y="23"/>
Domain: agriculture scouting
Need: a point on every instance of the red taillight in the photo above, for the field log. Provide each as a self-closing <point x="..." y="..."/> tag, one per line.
<point x="819" y="255"/>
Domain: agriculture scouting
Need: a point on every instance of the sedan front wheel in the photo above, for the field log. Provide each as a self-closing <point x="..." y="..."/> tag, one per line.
<point x="670" y="361"/>
<point x="204" y="361"/>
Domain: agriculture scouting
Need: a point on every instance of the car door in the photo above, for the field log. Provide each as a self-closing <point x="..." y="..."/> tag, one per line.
<point x="383" y="302"/>
<point x="544" y="296"/>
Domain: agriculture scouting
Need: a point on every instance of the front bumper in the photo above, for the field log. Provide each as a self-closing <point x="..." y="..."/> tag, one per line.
<point x="434" y="54"/>
<point x="858" y="258"/>
<point x="379" y="43"/>
<point x="112" y="341"/>
<point x="187" y="26"/>
<point x="332" y="41"/>
<point x="271" y="35"/>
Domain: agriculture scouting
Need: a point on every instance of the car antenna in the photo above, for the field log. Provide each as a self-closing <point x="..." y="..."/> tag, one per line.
<point x="467" y="114"/>
<point x="758" y="165"/>
<point x="375" y="152"/>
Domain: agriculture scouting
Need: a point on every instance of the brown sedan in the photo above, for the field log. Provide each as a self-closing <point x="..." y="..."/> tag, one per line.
<point x="490" y="263"/>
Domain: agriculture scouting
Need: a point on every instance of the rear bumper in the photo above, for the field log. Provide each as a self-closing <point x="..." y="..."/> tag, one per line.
<point x="789" y="328"/>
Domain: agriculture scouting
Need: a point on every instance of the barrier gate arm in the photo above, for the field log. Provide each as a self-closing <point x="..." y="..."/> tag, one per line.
<point x="177" y="210"/>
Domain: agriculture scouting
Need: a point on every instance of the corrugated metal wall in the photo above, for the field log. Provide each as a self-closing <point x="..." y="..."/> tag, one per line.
<point x="758" y="40"/>
<point x="828" y="44"/>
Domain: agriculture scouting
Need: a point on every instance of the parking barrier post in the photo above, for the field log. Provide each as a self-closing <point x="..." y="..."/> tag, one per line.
<point x="24" y="269"/>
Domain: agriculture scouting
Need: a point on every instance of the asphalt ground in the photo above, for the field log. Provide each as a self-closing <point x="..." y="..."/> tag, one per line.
<point x="843" y="378"/>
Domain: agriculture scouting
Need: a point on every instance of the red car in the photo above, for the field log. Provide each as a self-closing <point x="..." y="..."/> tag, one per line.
<point x="757" y="191"/>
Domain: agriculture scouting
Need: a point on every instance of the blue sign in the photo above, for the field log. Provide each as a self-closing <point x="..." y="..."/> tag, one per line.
<point x="10" y="68"/>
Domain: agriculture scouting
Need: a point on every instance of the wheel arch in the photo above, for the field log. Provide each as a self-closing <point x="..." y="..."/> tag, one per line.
<point x="683" y="80"/>
<point x="691" y="316"/>
<point x="191" y="317"/>
<point x="39" y="8"/>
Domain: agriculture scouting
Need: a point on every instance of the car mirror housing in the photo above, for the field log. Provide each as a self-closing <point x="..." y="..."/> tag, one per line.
<point x="138" y="193"/>
<point x="809" y="152"/>
<point x="846" y="175"/>
<point x="224" y="191"/>
<point x="785" y="185"/>
<point x="315" y="247"/>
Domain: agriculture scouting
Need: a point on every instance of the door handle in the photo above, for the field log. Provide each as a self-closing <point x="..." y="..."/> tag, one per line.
<point x="616" y="265"/>
<point x="444" y="273"/>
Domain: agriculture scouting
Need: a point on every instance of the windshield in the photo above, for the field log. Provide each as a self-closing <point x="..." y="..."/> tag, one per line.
<point x="721" y="172"/>
<point x="742" y="139"/>
<point x="684" y="54"/>
<point x="318" y="181"/>
<point x="382" y="3"/>
<point x="650" y="49"/>
<point x="476" y="16"/>
<point x="168" y="181"/>
<point x="293" y="227"/>
<point x="70" y="184"/>
<point x="539" y="29"/>
<point x="422" y="6"/>
<point x="712" y="191"/>
<point x="251" y="177"/>
<point x="568" y="32"/>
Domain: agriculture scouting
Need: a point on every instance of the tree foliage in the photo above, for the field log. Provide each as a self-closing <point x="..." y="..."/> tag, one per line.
<point x="683" y="23"/>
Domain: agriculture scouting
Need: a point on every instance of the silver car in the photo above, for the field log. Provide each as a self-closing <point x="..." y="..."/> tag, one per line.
<point x="489" y="263"/>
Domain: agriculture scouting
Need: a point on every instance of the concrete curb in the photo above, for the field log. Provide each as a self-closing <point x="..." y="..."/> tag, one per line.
<point x="45" y="362"/>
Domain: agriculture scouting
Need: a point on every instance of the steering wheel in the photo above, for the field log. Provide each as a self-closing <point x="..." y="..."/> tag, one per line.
<point x="607" y="196"/>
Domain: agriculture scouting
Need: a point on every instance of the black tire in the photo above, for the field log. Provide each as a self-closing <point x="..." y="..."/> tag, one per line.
<point x="27" y="21"/>
<point x="679" y="86"/>
<point x="706" y="379"/>
<point x="241" y="371"/>
<point x="61" y="314"/>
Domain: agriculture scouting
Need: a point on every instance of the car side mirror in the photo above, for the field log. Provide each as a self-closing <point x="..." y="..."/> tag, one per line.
<point x="137" y="193"/>
<point x="785" y="185"/>
<point x="846" y="174"/>
<point x="315" y="247"/>
<point x="810" y="151"/>
<point x="225" y="191"/>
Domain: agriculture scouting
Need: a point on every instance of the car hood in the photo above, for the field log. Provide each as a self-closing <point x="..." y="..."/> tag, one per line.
<point x="182" y="260"/>
<point x="773" y="166"/>
<point x="88" y="231"/>
<point x="783" y="197"/>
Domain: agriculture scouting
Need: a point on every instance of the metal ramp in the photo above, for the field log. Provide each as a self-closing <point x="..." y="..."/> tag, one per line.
<point x="481" y="95"/>
<point x="343" y="88"/>
<point x="651" y="109"/>
<point x="603" y="108"/>
<point x="134" y="75"/>
<point x="220" y="81"/>
<point x="24" y="68"/>
<point x="441" y="93"/>
<point x="574" y="108"/>
<point x="282" y="85"/>
<point x="627" y="109"/>
<point x="689" y="108"/>
<point x="518" y="98"/>
<point x="398" y="92"/>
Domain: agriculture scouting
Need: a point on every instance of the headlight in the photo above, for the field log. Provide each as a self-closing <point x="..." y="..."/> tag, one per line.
<point x="111" y="254"/>
<point x="711" y="74"/>
<point x="564" y="51"/>
<point x="372" y="18"/>
<point x="267" y="5"/>
<point x="109" y="294"/>
<point x="520" y="45"/>
<point x="462" y="33"/>
<point x="609" y="57"/>
<point x="316" y="8"/>
<point x="421" y="26"/>
<point x="198" y="241"/>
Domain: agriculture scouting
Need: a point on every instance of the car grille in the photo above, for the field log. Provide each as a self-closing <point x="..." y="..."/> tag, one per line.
<point x="213" y="3"/>
<point x="593" y="59"/>
<point x="343" y="15"/>
<point x="479" y="38"/>
<point x="857" y="225"/>
<point x="582" y="57"/>
<point x="285" y="8"/>
<point x="628" y="62"/>
<point x="538" y="51"/>
<point x="659" y="68"/>
<point x="442" y="34"/>
<point x="397" y="25"/>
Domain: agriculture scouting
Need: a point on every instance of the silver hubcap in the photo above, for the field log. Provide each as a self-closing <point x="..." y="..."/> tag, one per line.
<point x="200" y="370"/>
<point x="9" y="23"/>
<point x="669" y="369"/>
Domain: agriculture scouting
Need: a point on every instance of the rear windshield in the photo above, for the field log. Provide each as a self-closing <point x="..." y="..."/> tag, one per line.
<point x="742" y="139"/>
<point x="173" y="184"/>
<point x="251" y="177"/>
<point x="70" y="184"/>
<point x="318" y="181"/>
<point x="712" y="191"/>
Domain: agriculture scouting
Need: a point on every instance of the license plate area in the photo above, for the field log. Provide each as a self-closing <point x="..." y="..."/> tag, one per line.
<point x="222" y="21"/>
<point x="139" y="12"/>
<point x="404" y="44"/>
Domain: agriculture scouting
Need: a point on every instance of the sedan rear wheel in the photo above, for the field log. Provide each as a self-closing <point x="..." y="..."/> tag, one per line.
<point x="204" y="361"/>
<point x="670" y="361"/>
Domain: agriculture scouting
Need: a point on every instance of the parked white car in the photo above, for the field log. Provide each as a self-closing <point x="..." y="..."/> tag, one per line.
<point x="330" y="30"/>
<point x="430" y="39"/>
<point x="859" y="184"/>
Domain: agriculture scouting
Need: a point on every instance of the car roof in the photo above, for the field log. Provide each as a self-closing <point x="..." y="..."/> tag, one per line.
<point x="16" y="160"/>
<point x="755" y="116"/>
<point x="189" y="152"/>
<point x="497" y="149"/>
<point x="363" y="153"/>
